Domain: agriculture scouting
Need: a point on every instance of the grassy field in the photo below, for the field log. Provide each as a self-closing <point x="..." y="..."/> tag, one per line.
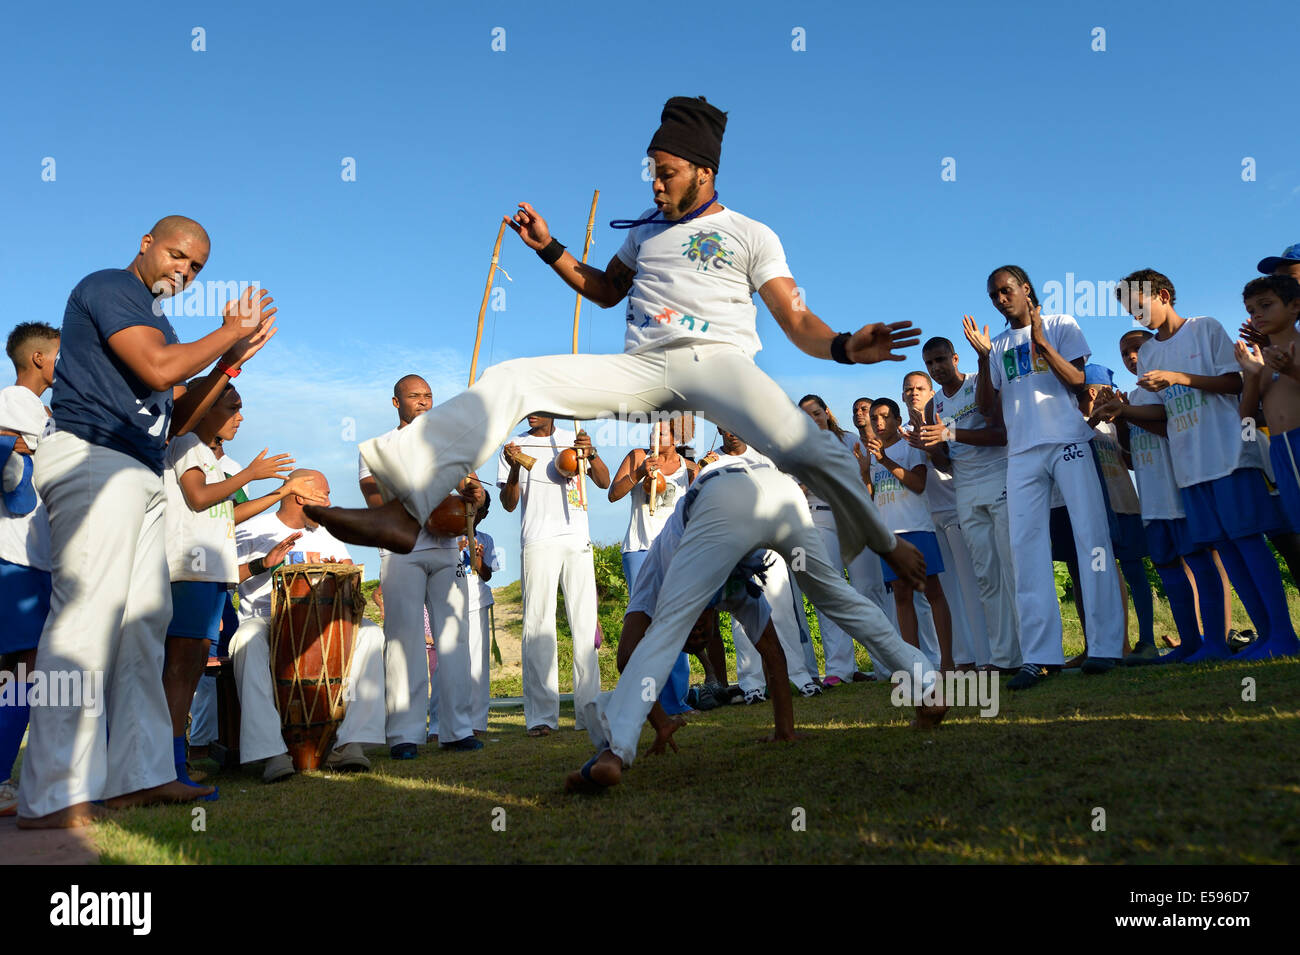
<point x="1183" y="768"/>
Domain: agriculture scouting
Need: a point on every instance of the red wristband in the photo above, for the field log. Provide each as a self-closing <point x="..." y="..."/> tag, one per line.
<point x="224" y="369"/>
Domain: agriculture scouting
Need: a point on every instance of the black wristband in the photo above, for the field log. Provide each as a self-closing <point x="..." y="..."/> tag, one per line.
<point x="551" y="252"/>
<point x="840" y="348"/>
<point x="256" y="567"/>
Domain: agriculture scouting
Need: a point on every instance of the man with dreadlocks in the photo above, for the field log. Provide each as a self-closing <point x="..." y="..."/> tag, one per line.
<point x="1035" y="368"/>
<point x="688" y="270"/>
<point x="706" y="554"/>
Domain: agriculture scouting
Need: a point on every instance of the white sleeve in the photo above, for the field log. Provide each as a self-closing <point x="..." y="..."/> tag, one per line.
<point x="186" y="453"/>
<point x="628" y="250"/>
<point x="1219" y="347"/>
<point x="766" y="258"/>
<point x="363" y="472"/>
<point x="1067" y="338"/>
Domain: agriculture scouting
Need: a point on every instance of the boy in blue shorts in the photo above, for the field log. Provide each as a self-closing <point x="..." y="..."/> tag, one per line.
<point x="1168" y="541"/>
<point x="1271" y="377"/>
<point x="25" y="583"/>
<point x="1189" y="378"/>
<point x="898" y="477"/>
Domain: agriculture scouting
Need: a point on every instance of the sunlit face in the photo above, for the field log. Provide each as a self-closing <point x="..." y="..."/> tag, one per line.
<point x="885" y="422"/>
<point x="171" y="261"/>
<point x="1149" y="309"/>
<point x="664" y="436"/>
<point x="539" y="421"/>
<point x="414" y="398"/>
<point x="1128" y="352"/>
<point x="815" y="411"/>
<point x="676" y="184"/>
<point x="941" y="363"/>
<point x="916" y="392"/>
<point x="861" y="413"/>
<point x="1009" y="296"/>
<point x="44" y="358"/>
<point x="1269" y="314"/>
<point x="227" y="415"/>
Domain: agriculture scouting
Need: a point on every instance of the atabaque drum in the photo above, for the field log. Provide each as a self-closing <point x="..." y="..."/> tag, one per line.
<point x="316" y="610"/>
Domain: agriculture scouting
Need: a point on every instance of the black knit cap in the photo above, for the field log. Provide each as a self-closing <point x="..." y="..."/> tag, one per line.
<point x="691" y="128"/>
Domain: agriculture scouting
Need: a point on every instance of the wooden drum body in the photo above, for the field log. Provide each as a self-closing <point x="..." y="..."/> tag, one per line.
<point x="315" y="612"/>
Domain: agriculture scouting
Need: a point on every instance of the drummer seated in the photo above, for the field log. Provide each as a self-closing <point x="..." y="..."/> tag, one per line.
<point x="263" y="542"/>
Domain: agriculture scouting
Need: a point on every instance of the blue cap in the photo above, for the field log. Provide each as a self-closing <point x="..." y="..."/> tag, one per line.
<point x="1289" y="254"/>
<point x="1098" y="375"/>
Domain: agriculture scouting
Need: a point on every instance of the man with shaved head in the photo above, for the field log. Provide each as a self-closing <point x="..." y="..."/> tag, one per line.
<point x="430" y="577"/>
<point x="100" y="476"/>
<point x="263" y="543"/>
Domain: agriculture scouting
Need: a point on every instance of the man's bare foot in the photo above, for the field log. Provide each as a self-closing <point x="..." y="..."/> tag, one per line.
<point x="597" y="775"/>
<point x="928" y="717"/>
<point x="541" y="729"/>
<point x="1171" y="642"/>
<point x="174" y="791"/>
<point x="74" y="816"/>
<point x="388" y="526"/>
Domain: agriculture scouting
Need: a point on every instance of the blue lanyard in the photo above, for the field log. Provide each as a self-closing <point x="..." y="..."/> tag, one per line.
<point x="654" y="217"/>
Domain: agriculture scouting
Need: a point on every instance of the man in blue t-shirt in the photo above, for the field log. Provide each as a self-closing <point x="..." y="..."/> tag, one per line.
<point x="100" y="475"/>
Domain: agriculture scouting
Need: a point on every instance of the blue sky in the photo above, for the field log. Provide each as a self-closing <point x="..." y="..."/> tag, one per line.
<point x="1068" y="161"/>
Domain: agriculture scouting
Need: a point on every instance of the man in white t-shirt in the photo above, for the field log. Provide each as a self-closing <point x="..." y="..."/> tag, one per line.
<point x="264" y="542"/>
<point x="730" y="511"/>
<point x="973" y="448"/>
<point x="689" y="270"/>
<point x="555" y="548"/>
<point x="430" y="577"/>
<point x="1035" y="369"/>
<point x="25" y="582"/>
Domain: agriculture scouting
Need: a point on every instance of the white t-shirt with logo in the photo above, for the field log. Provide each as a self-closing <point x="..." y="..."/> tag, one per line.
<point x="696" y="280"/>
<point x="1110" y="457"/>
<point x="24" y="538"/>
<point x="426" y="540"/>
<point x="1205" y="432"/>
<point x="973" y="465"/>
<point x="903" y="511"/>
<point x="1036" y="407"/>
<point x="1153" y="467"/>
<point x="200" y="544"/>
<point x="549" y="502"/>
<point x="257" y="537"/>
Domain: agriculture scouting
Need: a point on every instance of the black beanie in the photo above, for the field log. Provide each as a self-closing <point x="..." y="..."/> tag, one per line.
<point x="691" y="128"/>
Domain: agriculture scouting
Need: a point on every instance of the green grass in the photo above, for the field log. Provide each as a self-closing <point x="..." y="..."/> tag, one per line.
<point x="1186" y="771"/>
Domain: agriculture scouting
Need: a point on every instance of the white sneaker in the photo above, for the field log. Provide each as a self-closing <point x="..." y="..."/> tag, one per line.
<point x="277" y="768"/>
<point x="810" y="689"/>
<point x="8" y="798"/>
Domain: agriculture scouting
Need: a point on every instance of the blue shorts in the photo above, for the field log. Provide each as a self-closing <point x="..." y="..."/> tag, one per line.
<point x="25" y="595"/>
<point x="196" y="609"/>
<point x="927" y="544"/>
<point x="1284" y="452"/>
<point x="1168" y="540"/>
<point x="1131" y="543"/>
<point x="1228" y="508"/>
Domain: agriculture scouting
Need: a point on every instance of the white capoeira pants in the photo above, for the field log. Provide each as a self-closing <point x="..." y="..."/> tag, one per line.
<point x="734" y="515"/>
<point x="970" y="635"/>
<point x="109" y="611"/>
<point x="426" y="578"/>
<point x="868" y="579"/>
<point x="260" y="735"/>
<point x="790" y="622"/>
<point x="986" y="527"/>
<point x="837" y="646"/>
<point x="1030" y="475"/>
<point x="718" y="381"/>
<point x="566" y="562"/>
<point x="480" y="664"/>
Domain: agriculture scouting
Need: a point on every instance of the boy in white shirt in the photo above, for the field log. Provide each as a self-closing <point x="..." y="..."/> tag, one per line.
<point x="1035" y="369"/>
<point x="1189" y="378"/>
<point x="201" y="558"/>
<point x="25" y="582"/>
<point x="898" y="479"/>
